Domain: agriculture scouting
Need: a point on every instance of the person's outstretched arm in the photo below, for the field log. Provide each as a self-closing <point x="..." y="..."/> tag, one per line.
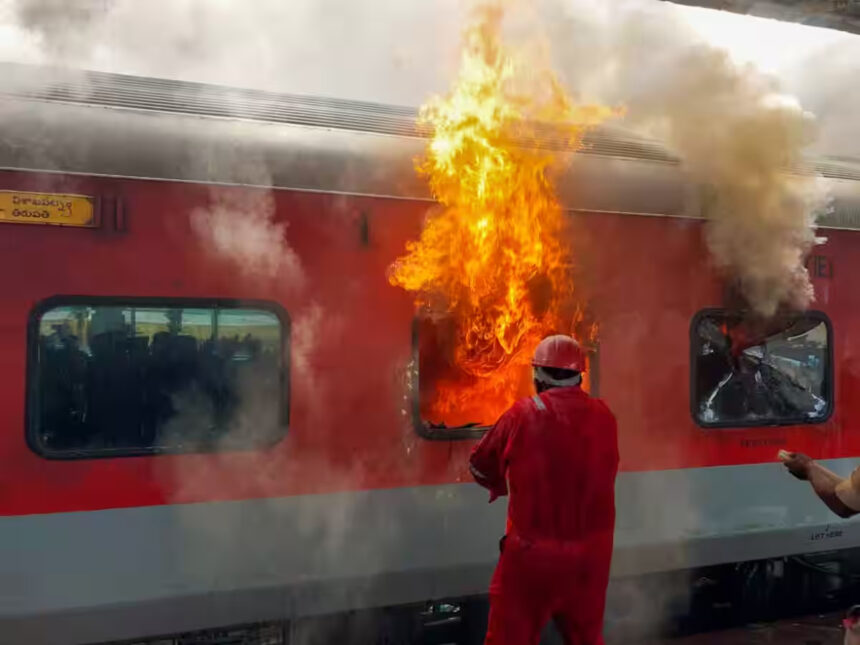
<point x="840" y="495"/>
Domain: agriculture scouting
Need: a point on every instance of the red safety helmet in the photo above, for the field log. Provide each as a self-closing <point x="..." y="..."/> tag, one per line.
<point x="560" y="352"/>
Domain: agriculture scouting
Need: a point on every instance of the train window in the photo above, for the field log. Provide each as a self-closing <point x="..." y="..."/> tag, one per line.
<point x="450" y="402"/>
<point x="110" y="377"/>
<point x="748" y="373"/>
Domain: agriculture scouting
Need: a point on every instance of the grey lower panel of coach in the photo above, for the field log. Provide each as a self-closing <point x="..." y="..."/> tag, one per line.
<point x="96" y="576"/>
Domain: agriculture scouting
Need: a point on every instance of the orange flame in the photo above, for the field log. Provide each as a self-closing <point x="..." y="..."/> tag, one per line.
<point x="493" y="257"/>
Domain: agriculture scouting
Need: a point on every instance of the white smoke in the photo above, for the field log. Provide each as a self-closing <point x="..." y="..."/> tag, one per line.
<point x="402" y="52"/>
<point x="239" y="226"/>
<point x="370" y="49"/>
<point x="825" y="82"/>
<point x="739" y="139"/>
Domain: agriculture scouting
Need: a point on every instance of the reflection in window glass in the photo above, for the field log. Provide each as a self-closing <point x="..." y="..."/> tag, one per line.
<point x="747" y="373"/>
<point x="126" y="379"/>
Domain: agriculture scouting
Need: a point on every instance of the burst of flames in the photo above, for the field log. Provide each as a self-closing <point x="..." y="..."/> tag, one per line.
<point x="493" y="256"/>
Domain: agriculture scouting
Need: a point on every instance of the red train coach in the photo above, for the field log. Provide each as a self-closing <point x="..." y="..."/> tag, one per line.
<point x="193" y="439"/>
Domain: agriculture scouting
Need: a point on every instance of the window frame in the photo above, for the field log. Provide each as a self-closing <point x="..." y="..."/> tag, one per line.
<point x="32" y="412"/>
<point x="461" y="433"/>
<point x="829" y="380"/>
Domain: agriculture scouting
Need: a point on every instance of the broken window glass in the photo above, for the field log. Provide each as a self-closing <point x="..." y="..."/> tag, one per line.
<point x="749" y="372"/>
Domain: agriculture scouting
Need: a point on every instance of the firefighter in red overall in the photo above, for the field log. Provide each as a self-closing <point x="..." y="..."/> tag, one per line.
<point x="558" y="452"/>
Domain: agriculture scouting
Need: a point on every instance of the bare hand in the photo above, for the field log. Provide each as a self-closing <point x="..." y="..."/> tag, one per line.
<point x="798" y="464"/>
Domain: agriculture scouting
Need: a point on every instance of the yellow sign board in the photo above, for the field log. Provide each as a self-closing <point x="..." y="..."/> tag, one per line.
<point x="47" y="209"/>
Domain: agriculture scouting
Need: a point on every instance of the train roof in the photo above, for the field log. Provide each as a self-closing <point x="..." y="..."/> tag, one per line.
<point x="60" y="120"/>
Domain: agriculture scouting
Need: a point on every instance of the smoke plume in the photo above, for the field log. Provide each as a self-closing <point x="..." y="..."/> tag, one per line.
<point x="739" y="138"/>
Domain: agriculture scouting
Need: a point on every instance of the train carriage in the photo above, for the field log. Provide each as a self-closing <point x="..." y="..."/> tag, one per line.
<point x="195" y="438"/>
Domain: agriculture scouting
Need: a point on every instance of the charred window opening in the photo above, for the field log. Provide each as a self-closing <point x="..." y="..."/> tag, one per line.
<point x="754" y="373"/>
<point x="452" y="403"/>
<point x="114" y="377"/>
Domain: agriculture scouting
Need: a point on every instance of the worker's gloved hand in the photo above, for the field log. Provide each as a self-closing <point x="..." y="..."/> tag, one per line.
<point x="798" y="464"/>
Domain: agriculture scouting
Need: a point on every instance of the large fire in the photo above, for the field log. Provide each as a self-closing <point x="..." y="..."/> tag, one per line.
<point x="492" y="267"/>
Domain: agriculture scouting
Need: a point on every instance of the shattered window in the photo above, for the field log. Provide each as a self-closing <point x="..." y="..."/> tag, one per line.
<point x="749" y="373"/>
<point x="111" y="377"/>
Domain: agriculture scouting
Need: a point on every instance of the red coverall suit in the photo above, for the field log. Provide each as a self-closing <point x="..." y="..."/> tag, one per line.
<point x="559" y="451"/>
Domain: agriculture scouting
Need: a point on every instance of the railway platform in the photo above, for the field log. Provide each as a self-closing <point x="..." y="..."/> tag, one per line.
<point x="823" y="629"/>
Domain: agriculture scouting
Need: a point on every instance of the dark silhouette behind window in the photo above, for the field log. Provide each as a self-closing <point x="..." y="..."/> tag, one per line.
<point x="132" y="380"/>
